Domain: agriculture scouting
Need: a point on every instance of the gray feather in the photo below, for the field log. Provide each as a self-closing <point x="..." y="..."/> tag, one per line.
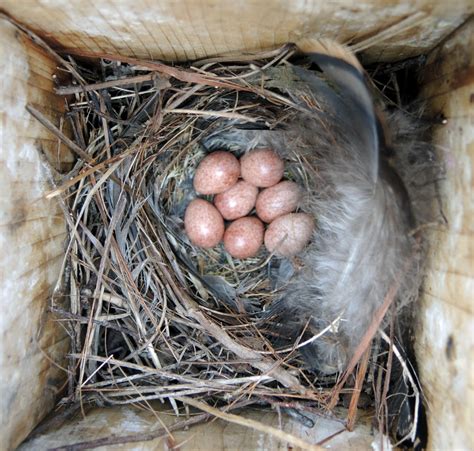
<point x="365" y="212"/>
<point x="361" y="206"/>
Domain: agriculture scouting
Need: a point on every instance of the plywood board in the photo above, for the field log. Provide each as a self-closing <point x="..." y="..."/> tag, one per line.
<point x="124" y="423"/>
<point x="32" y="234"/>
<point x="445" y="344"/>
<point x="189" y="30"/>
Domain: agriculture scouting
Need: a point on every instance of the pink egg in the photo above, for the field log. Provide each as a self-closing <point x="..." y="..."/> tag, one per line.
<point x="216" y="173"/>
<point x="203" y="223"/>
<point x="289" y="234"/>
<point x="244" y="237"/>
<point x="262" y="167"/>
<point x="237" y="201"/>
<point x="278" y="200"/>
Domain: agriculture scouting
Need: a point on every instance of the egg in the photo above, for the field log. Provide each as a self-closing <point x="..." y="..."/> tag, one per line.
<point x="278" y="200"/>
<point x="262" y="167"/>
<point x="216" y="173"/>
<point x="203" y="223"/>
<point x="237" y="201"/>
<point x="244" y="237"/>
<point x="289" y="234"/>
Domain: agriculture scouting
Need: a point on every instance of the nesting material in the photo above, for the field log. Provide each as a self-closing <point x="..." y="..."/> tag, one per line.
<point x="154" y="314"/>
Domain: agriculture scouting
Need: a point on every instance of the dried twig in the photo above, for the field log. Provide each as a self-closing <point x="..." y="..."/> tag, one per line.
<point x="360" y="377"/>
<point x="284" y="437"/>
<point x="159" y="82"/>
<point x="40" y="117"/>
<point x="407" y="375"/>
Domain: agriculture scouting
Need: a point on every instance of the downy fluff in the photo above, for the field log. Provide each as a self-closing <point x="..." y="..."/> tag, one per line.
<point x="363" y="165"/>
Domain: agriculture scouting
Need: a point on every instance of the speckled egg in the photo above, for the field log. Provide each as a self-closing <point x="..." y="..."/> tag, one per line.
<point x="237" y="201"/>
<point x="289" y="234"/>
<point x="262" y="167"/>
<point x="244" y="237"/>
<point x="216" y="173"/>
<point x="278" y="200"/>
<point x="203" y="223"/>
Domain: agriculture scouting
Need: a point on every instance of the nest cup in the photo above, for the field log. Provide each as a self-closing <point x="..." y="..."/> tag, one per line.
<point x="183" y="314"/>
<point x="237" y="283"/>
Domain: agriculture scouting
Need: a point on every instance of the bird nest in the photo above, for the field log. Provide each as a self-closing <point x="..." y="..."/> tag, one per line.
<point x="150" y="316"/>
<point x="156" y="317"/>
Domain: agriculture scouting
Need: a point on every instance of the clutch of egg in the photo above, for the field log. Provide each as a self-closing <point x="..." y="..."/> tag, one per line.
<point x="236" y="188"/>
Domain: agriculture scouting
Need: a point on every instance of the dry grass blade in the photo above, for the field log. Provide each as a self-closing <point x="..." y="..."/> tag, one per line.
<point x="53" y="129"/>
<point x="161" y="83"/>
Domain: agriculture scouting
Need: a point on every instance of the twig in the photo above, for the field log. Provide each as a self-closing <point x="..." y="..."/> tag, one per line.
<point x="172" y="71"/>
<point x="284" y="437"/>
<point x="267" y="366"/>
<point x="40" y="117"/>
<point x="331" y="326"/>
<point x="76" y="149"/>
<point x="160" y="83"/>
<point x="361" y="372"/>
<point x="330" y="437"/>
<point x="225" y="114"/>
<point x="407" y="375"/>
<point x="84" y="320"/>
